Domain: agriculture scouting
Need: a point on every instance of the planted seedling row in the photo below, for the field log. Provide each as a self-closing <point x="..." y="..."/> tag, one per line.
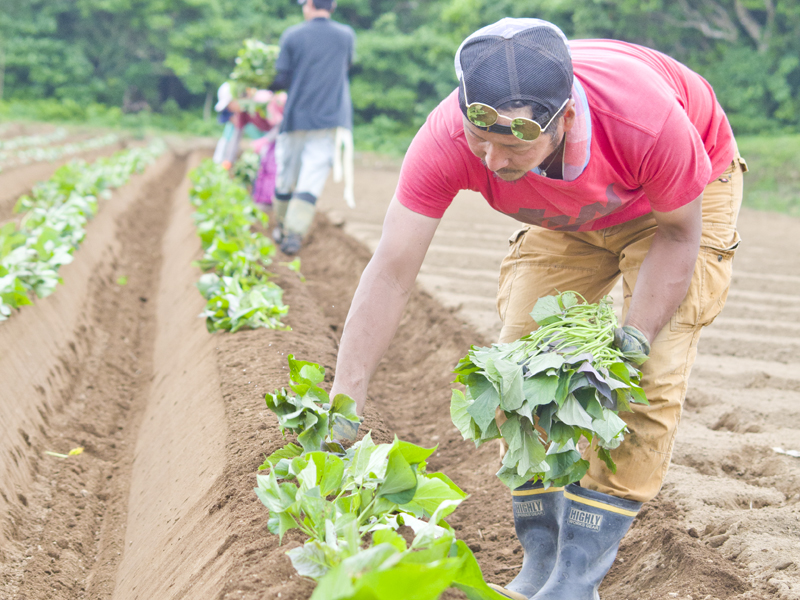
<point x="351" y="504"/>
<point x="236" y="283"/>
<point x="11" y="158"/>
<point x="54" y="223"/>
<point x="23" y="141"/>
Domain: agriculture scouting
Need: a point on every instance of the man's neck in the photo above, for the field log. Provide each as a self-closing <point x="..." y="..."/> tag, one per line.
<point x="318" y="13"/>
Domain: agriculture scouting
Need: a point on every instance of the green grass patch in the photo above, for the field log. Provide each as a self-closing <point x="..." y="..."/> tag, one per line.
<point x="773" y="182"/>
<point x="99" y="115"/>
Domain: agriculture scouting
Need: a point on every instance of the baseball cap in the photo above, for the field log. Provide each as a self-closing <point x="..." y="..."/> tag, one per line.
<point x="224" y="97"/>
<point x="321" y="4"/>
<point x="515" y="59"/>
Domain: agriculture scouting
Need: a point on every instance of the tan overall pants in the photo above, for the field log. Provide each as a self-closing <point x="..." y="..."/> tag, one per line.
<point x="541" y="261"/>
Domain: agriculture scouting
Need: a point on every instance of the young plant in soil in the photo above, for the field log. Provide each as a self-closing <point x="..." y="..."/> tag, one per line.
<point x="236" y="282"/>
<point x="351" y="504"/>
<point x="563" y="381"/>
<point x="54" y="223"/>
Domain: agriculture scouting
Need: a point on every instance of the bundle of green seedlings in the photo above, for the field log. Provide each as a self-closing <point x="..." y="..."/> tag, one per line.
<point x="563" y="381"/>
<point x="351" y="504"/>
<point x="254" y="68"/>
<point x="54" y="223"/>
<point x="236" y="282"/>
<point x="245" y="169"/>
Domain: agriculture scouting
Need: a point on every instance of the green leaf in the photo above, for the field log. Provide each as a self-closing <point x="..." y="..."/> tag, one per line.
<point x="562" y="391"/>
<point x="309" y="560"/>
<point x="387" y="536"/>
<point x="316" y="428"/>
<point x="469" y="578"/>
<point x="459" y="413"/>
<point x="431" y="492"/>
<point x="546" y="311"/>
<point x="561" y="433"/>
<point x="486" y="400"/>
<point x="332" y="473"/>
<point x="512" y="395"/>
<point x="429" y="581"/>
<point x="609" y="426"/>
<point x="511" y="431"/>
<point x="399" y="478"/>
<point x="288" y="451"/>
<point x="638" y="395"/>
<point x="605" y="456"/>
<point x="572" y="413"/>
<point x="302" y="371"/>
<point x="544" y="362"/>
<point x="448" y="481"/>
<point x="345" y="407"/>
<point x="540" y="389"/>
<point x="415" y="454"/>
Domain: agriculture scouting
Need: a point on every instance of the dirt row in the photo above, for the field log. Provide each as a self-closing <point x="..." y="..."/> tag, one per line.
<point x="172" y="419"/>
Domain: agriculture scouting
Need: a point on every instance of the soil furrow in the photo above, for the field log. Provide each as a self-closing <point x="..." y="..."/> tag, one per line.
<point x="70" y="534"/>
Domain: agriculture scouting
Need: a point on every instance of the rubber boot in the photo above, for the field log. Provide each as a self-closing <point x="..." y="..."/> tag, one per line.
<point x="537" y="514"/>
<point x="592" y="527"/>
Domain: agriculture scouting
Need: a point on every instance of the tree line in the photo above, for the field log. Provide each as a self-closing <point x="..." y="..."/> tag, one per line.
<point x="166" y="55"/>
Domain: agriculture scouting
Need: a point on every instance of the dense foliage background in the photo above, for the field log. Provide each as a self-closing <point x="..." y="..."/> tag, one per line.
<point x="165" y="56"/>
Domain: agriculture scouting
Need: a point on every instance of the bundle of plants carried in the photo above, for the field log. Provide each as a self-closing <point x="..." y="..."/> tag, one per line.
<point x="351" y="504"/>
<point x="245" y="169"/>
<point x="255" y="67"/>
<point x="236" y="283"/>
<point x="563" y="381"/>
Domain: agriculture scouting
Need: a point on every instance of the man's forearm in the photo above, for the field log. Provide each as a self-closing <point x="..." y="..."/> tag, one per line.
<point x="666" y="272"/>
<point x="663" y="281"/>
<point x="371" y="323"/>
<point x="380" y="299"/>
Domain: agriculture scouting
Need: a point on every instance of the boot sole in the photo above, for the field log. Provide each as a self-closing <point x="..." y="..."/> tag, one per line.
<point x="507" y="593"/>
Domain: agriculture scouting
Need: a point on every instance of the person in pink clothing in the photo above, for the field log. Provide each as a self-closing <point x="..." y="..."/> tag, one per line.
<point x="264" y="187"/>
<point x="620" y="163"/>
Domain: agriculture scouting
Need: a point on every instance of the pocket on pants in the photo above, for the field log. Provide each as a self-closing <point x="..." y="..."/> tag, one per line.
<point x="709" y="287"/>
<point x="508" y="270"/>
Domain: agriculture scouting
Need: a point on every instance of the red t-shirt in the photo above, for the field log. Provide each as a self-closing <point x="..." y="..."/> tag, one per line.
<point x="658" y="137"/>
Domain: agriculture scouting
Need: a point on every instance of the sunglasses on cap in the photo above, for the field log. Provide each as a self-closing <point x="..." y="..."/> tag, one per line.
<point x="483" y="115"/>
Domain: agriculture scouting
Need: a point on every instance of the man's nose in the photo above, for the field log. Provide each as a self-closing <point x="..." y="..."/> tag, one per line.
<point x="495" y="158"/>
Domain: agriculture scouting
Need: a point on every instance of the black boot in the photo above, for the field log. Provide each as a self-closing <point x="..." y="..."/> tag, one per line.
<point x="537" y="513"/>
<point x="592" y="527"/>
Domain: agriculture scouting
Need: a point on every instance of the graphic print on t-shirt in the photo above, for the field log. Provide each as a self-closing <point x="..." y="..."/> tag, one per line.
<point x="560" y="222"/>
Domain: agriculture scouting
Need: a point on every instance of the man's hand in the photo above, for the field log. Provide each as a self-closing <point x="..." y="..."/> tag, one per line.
<point x="633" y="343"/>
<point x="345" y="430"/>
<point x="342" y="430"/>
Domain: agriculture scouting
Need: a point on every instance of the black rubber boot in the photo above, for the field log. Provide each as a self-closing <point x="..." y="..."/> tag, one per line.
<point x="537" y="514"/>
<point x="592" y="527"/>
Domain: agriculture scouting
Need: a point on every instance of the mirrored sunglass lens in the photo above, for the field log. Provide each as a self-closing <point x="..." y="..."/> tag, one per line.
<point x="481" y="115"/>
<point x="525" y="129"/>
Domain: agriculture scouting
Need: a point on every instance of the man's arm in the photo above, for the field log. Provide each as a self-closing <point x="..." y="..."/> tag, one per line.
<point x="380" y="299"/>
<point x="666" y="271"/>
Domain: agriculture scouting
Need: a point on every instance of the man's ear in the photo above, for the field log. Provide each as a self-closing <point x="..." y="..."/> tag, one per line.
<point x="569" y="115"/>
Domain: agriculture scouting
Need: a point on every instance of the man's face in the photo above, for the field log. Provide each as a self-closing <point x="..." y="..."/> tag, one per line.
<point x="508" y="157"/>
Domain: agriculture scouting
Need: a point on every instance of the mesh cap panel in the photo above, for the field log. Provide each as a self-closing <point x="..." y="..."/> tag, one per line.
<point x="516" y="59"/>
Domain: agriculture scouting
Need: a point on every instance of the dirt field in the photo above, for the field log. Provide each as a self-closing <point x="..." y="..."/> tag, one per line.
<point x="160" y="505"/>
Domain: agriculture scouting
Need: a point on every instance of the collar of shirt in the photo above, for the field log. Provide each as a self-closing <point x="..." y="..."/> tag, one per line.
<point x="578" y="145"/>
